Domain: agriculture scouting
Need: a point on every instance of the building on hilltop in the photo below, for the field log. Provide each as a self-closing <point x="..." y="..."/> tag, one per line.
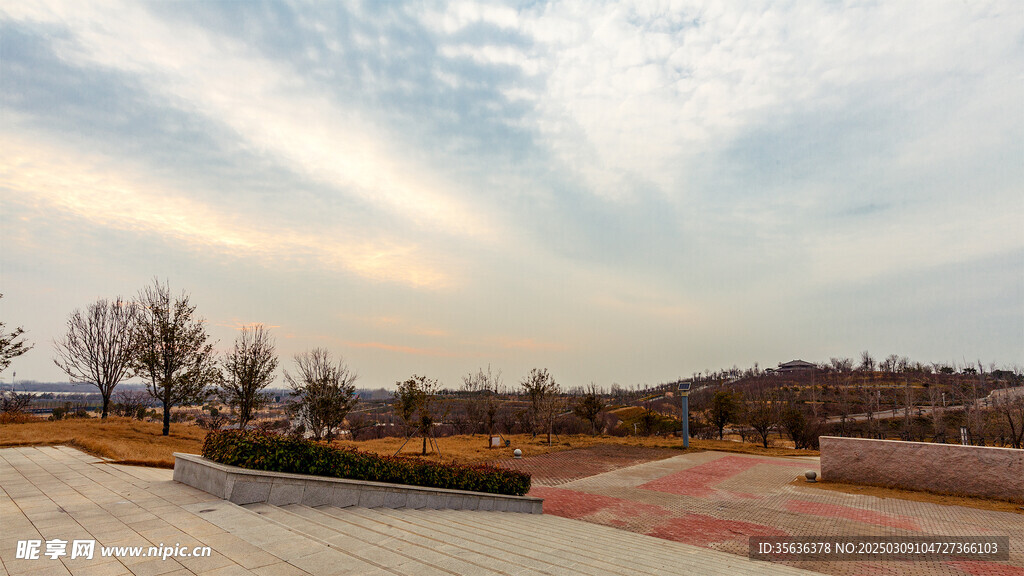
<point x="791" y="367"/>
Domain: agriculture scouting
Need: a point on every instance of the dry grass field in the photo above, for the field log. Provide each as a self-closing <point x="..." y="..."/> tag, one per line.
<point x="133" y="442"/>
<point x="123" y="440"/>
<point x="469" y="449"/>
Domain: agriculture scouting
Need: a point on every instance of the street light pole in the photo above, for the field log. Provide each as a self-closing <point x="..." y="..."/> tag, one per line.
<point x="684" y="393"/>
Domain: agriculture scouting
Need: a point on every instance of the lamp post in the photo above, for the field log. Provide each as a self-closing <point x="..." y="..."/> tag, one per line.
<point x="684" y="393"/>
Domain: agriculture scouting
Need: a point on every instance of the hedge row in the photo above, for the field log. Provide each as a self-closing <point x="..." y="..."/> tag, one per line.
<point x="261" y="451"/>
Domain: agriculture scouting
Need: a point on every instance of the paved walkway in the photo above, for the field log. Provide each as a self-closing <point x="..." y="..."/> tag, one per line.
<point x="561" y="467"/>
<point x="56" y="493"/>
<point x="718" y="500"/>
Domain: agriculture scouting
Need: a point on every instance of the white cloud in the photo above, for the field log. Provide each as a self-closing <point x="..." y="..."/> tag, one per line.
<point x="492" y="55"/>
<point x="272" y="109"/>
<point x="623" y="190"/>
<point x="458" y="15"/>
<point x="635" y="90"/>
<point x="87" y="189"/>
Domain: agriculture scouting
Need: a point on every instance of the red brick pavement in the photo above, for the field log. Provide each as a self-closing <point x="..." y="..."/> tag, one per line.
<point x="718" y="501"/>
<point x="702" y="530"/>
<point x="978" y="568"/>
<point x="570" y="504"/>
<point x="858" y="514"/>
<point x="561" y="467"/>
<point x="699" y="481"/>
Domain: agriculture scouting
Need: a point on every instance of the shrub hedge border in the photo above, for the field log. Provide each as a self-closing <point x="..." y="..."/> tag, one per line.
<point x="257" y="450"/>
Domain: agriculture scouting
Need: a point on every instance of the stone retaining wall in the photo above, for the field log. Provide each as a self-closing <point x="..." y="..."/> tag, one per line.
<point x="948" y="468"/>
<point x="244" y="486"/>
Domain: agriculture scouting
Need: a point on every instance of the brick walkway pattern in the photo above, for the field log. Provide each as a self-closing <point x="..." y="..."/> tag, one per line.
<point x="718" y="500"/>
<point x="561" y="467"/>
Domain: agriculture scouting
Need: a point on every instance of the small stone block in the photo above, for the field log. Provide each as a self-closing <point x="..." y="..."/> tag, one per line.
<point x="287" y="492"/>
<point x="416" y="500"/>
<point x="344" y="496"/>
<point x="371" y="498"/>
<point x="395" y="499"/>
<point x="437" y="501"/>
<point x="249" y="492"/>
<point x="317" y="494"/>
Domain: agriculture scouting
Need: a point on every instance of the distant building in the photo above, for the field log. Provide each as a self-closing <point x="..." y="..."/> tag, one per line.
<point x="1004" y="375"/>
<point x="792" y="366"/>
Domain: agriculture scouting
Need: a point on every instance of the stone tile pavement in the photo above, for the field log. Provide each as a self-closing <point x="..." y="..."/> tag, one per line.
<point x="57" y="493"/>
<point x="718" y="500"/>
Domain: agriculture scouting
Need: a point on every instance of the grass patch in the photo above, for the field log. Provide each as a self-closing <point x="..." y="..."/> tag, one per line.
<point x="470" y="449"/>
<point x="122" y="440"/>
<point x="914" y="495"/>
<point x="130" y="441"/>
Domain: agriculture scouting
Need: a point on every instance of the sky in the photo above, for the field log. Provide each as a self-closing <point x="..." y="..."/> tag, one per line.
<point x="621" y="192"/>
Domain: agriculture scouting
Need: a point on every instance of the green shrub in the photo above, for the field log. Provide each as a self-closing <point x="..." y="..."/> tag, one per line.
<point x="260" y="451"/>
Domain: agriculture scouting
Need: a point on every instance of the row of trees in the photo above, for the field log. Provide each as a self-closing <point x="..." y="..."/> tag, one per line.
<point x="159" y="338"/>
<point x="762" y="411"/>
<point x="865" y="363"/>
<point x="419" y="406"/>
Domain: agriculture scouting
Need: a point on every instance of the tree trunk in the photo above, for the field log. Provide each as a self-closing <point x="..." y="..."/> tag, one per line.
<point x="167" y="420"/>
<point x="106" y="405"/>
<point x="424" y="445"/>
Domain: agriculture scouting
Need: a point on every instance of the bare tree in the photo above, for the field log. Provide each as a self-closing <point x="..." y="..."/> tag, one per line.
<point x="936" y="413"/>
<point x="841" y="365"/>
<point x="100" y="346"/>
<point x="908" y="409"/>
<point x="725" y="406"/>
<point x="890" y="364"/>
<point x="843" y="406"/>
<point x="872" y="407"/>
<point x="762" y="414"/>
<point x="965" y="392"/>
<point x="10" y="346"/>
<point x="248" y="369"/>
<point x="174" y="354"/>
<point x="325" y="392"/>
<point x="1011" y="408"/>
<point x="357" y="422"/>
<point x="482" y="407"/>
<point x="131" y="403"/>
<point x="545" y="396"/>
<point x="589" y="406"/>
<point x="13" y="402"/>
<point x="416" y="404"/>
<point x="867" y="362"/>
